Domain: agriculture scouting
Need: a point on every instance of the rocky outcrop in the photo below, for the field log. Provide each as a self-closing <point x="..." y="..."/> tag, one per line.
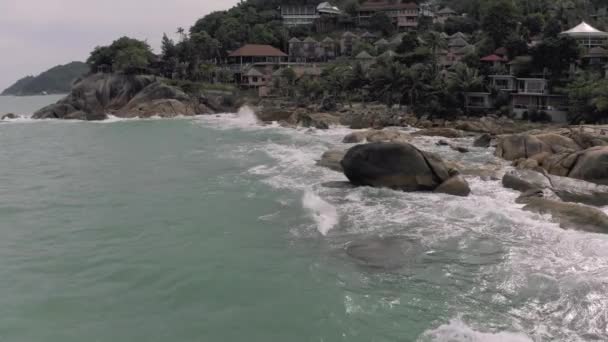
<point x="569" y="215"/>
<point x="374" y="135"/>
<point x="566" y="189"/>
<point x="8" y="116"/>
<point x="96" y="96"/>
<point x="440" y="132"/>
<point x="399" y="166"/>
<point x="315" y="120"/>
<point x="332" y="160"/>
<point x="567" y="154"/>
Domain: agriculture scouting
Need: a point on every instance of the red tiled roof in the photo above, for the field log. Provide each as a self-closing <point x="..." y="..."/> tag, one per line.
<point x="383" y="5"/>
<point x="493" y="58"/>
<point x="501" y="51"/>
<point x="253" y="50"/>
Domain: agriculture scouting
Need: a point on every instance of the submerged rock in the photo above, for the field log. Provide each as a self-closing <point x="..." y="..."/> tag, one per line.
<point x="332" y="160"/>
<point x="381" y="252"/>
<point x="374" y="135"/>
<point x="456" y="186"/>
<point x="569" y="215"/>
<point x="397" y="166"/>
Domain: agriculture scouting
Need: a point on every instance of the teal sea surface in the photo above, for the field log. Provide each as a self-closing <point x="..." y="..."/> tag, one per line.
<point x="217" y="228"/>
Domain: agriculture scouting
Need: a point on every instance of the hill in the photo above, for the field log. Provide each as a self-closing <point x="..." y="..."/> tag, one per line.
<point x="57" y="80"/>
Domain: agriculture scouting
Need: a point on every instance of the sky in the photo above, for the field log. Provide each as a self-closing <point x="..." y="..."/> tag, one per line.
<point x="36" y="35"/>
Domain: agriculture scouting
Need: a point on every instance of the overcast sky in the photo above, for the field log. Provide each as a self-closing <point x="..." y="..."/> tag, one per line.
<point x="38" y="34"/>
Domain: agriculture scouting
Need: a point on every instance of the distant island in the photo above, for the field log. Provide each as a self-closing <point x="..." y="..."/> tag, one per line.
<point x="57" y="80"/>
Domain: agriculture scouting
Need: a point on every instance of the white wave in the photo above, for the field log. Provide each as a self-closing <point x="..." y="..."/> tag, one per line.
<point x="325" y="215"/>
<point x="244" y="119"/>
<point x="458" y="331"/>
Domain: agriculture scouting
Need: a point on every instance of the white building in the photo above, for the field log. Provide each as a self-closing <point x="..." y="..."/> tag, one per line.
<point x="587" y="35"/>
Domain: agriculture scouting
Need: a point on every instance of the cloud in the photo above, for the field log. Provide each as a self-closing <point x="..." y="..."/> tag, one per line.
<point x="36" y="35"/>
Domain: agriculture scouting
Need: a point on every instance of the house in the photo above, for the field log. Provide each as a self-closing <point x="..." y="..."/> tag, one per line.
<point x="587" y="36"/>
<point x="533" y="95"/>
<point x="255" y="77"/>
<point x="307" y="15"/>
<point x="444" y="14"/>
<point x="299" y="15"/>
<point x="329" y="48"/>
<point x="494" y="60"/>
<point x="365" y="59"/>
<point x="478" y="102"/>
<point x="348" y="42"/>
<point x="404" y="15"/>
<point x="595" y="57"/>
<point x="368" y="37"/>
<point x="503" y="82"/>
<point x="254" y="53"/>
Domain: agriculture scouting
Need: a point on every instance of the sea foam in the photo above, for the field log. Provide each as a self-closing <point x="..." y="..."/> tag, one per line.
<point x="325" y="215"/>
<point x="458" y="331"/>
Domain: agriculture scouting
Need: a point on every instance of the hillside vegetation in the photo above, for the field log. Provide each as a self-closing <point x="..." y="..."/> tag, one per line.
<point x="57" y="80"/>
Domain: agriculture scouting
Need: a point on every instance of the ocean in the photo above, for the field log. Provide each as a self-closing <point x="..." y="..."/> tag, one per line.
<point x="218" y="228"/>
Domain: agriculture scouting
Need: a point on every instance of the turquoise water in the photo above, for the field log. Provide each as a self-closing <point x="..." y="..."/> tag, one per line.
<point x="219" y="229"/>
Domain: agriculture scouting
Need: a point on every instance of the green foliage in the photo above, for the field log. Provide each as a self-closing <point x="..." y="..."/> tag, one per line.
<point x="588" y="99"/>
<point x="500" y="18"/>
<point x="381" y="22"/>
<point x="461" y="24"/>
<point x="556" y="55"/>
<point x="124" y="54"/>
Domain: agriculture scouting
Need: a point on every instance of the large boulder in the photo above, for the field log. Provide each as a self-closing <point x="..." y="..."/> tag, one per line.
<point x="518" y="146"/>
<point x="485" y="140"/>
<point x="569" y="215"/>
<point x="332" y="160"/>
<point x="566" y="189"/>
<point x="592" y="165"/>
<point x="456" y="186"/>
<point x="314" y="120"/>
<point x="398" y="166"/>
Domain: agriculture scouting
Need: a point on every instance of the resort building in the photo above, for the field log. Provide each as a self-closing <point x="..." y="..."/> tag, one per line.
<point x="588" y="36"/>
<point x="595" y="57"/>
<point x="444" y="14"/>
<point x="404" y="15"/>
<point x="533" y="95"/>
<point x="307" y="15"/>
<point x="253" y="53"/>
<point x="347" y="43"/>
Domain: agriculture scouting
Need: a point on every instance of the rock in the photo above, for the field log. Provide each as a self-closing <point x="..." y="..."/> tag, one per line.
<point x="332" y="159"/>
<point x="460" y="149"/>
<point x="123" y="96"/>
<point x="329" y="104"/>
<point x="440" y="132"/>
<point x="586" y="140"/>
<point x="518" y="146"/>
<point x="373" y="135"/>
<point x="273" y="114"/>
<point x="8" y="116"/>
<point x="381" y="252"/>
<point x="443" y="143"/>
<point x="397" y="166"/>
<point x="569" y="215"/>
<point x="566" y="189"/>
<point x="591" y="165"/>
<point x="523" y="164"/>
<point x="456" y="186"/>
<point x="485" y="140"/>
<point x="316" y="120"/>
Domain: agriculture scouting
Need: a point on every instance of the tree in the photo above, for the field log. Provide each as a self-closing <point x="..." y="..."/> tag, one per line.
<point x="555" y="55"/>
<point x="381" y="22"/>
<point x="124" y="54"/>
<point x="262" y="34"/>
<point x="463" y="79"/>
<point x="409" y="43"/>
<point x="434" y="43"/>
<point x="499" y="20"/>
<point x="588" y="99"/>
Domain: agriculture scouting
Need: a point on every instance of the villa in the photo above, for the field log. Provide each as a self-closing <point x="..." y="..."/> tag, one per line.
<point x="587" y="36"/>
<point x="403" y="14"/>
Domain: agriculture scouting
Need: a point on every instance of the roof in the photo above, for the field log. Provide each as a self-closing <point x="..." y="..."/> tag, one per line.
<point x="254" y="50"/>
<point x="328" y="40"/>
<point x="326" y="7"/>
<point x="459" y="35"/>
<point x="295" y="40"/>
<point x="349" y="34"/>
<point x="310" y="40"/>
<point x="446" y="10"/>
<point x="493" y="58"/>
<point x="253" y="72"/>
<point x="381" y="41"/>
<point x="585" y="30"/>
<point x="364" y="55"/>
<point x="384" y="5"/>
<point x="458" y="42"/>
<point x="388" y="54"/>
<point x="368" y="35"/>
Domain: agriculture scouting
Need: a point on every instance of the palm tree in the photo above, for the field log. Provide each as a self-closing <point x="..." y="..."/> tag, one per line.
<point x="434" y="42"/>
<point x="463" y="79"/>
<point x="389" y="80"/>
